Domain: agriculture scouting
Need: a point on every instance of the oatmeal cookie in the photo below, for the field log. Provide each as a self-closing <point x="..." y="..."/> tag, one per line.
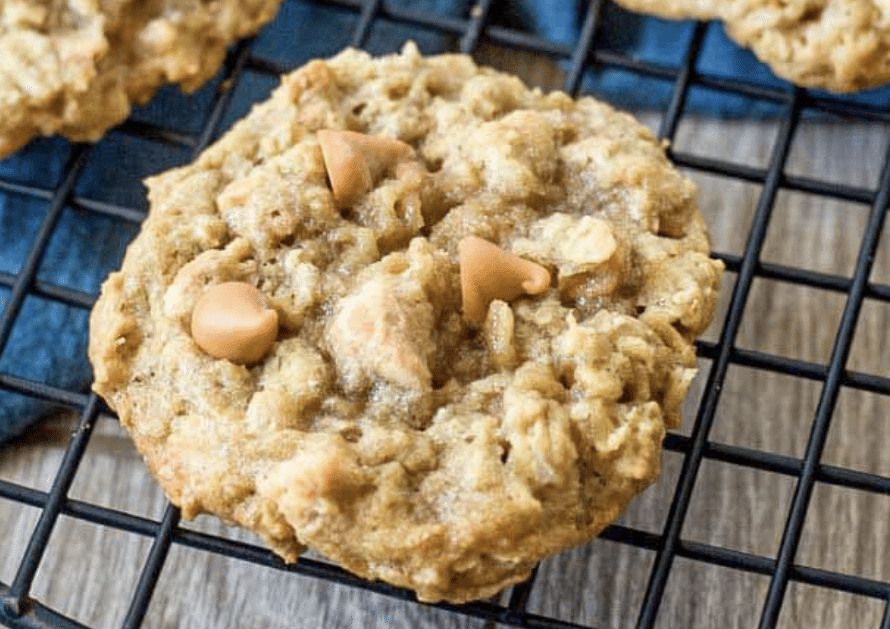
<point x="411" y="418"/>
<point x="838" y="45"/>
<point x="75" y="67"/>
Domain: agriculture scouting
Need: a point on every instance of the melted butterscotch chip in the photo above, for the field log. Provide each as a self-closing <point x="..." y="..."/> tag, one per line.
<point x="354" y="160"/>
<point x="233" y="321"/>
<point x="487" y="272"/>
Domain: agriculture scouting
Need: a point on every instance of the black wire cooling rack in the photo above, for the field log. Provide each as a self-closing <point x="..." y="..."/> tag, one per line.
<point x="18" y="610"/>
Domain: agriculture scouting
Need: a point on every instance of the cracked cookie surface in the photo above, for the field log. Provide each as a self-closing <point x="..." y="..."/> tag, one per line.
<point x="75" y="67"/>
<point x="838" y="45"/>
<point x="383" y="429"/>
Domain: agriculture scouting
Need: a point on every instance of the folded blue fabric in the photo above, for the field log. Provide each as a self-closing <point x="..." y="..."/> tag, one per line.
<point x="48" y="341"/>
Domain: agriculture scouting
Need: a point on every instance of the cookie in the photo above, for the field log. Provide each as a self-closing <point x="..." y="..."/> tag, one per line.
<point x="837" y="45"/>
<point x="75" y="68"/>
<point x="482" y="301"/>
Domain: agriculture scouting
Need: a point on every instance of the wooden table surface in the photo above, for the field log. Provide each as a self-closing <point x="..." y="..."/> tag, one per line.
<point x="89" y="572"/>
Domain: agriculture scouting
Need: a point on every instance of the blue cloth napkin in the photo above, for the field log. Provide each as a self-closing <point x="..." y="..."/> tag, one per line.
<point x="48" y="341"/>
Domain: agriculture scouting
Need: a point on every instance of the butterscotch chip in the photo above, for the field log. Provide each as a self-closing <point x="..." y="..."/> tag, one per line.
<point x="487" y="272"/>
<point x="355" y="160"/>
<point x="233" y="320"/>
<point x="75" y="68"/>
<point x="839" y="45"/>
<point x="382" y="428"/>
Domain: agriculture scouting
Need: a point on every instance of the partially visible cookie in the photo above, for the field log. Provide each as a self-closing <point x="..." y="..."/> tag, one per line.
<point x="460" y="316"/>
<point x="75" y="67"/>
<point x="838" y="45"/>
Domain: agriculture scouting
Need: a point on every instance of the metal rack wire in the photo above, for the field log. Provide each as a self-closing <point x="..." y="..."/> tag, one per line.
<point x="18" y="610"/>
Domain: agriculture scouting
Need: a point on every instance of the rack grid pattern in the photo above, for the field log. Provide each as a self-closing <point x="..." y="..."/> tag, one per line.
<point x="18" y="610"/>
